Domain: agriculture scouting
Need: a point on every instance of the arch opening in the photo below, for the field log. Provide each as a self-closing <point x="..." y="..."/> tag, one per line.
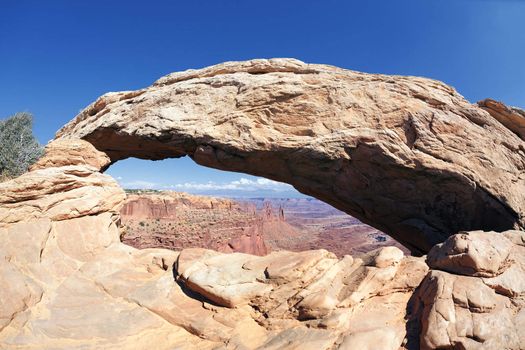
<point x="178" y="204"/>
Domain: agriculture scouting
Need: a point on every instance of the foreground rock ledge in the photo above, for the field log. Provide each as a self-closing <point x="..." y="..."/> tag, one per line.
<point x="407" y="155"/>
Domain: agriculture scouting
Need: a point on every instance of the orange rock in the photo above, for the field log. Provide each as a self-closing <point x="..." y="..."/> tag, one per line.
<point x="71" y="152"/>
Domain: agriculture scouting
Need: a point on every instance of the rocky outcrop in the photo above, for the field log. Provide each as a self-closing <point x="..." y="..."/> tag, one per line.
<point x="474" y="299"/>
<point x="310" y="299"/>
<point x="409" y="156"/>
<point x="73" y="285"/>
<point x="72" y="187"/>
<point x="512" y="117"/>
<point x="249" y="241"/>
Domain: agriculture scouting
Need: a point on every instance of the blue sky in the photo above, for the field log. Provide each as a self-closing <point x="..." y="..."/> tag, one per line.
<point x="56" y="57"/>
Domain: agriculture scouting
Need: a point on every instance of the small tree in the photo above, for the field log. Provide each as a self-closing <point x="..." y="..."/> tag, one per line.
<point x="18" y="147"/>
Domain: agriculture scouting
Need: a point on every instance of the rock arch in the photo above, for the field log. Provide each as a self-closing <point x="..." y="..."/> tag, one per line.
<point x="407" y="155"/>
<point x="385" y="147"/>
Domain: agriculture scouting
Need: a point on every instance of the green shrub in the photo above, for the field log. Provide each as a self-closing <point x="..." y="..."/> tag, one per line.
<point x="18" y="147"/>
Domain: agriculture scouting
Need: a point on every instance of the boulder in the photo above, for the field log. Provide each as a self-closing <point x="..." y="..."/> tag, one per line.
<point x="484" y="254"/>
<point x="460" y="312"/>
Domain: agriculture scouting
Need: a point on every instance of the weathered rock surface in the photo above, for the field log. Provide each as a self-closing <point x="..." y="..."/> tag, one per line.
<point x="71" y="152"/>
<point x="512" y="117"/>
<point x="407" y="155"/>
<point x="58" y="193"/>
<point x="472" y="254"/>
<point x="312" y="293"/>
<point x="90" y="291"/>
<point x="460" y="311"/>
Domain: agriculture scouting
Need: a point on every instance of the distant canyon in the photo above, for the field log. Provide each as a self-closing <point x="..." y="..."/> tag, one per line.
<point x="175" y="220"/>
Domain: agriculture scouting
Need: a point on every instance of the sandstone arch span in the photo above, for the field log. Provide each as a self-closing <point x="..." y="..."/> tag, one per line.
<point x="407" y="155"/>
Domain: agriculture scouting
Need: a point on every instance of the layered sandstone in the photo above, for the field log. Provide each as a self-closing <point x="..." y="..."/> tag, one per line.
<point x="176" y="220"/>
<point x="71" y="152"/>
<point x="166" y="204"/>
<point x="409" y="156"/>
<point x="512" y="117"/>
<point x="61" y="187"/>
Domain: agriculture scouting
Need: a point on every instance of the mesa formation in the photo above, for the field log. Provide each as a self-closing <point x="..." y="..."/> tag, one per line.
<point x="258" y="226"/>
<point x="408" y="156"/>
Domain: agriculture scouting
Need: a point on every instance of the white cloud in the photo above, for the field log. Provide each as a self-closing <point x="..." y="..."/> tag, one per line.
<point x="139" y="184"/>
<point x="242" y="184"/>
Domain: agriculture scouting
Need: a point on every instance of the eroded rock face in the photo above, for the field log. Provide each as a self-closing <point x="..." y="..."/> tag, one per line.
<point x="468" y="312"/>
<point x="311" y="293"/>
<point x="512" y="117"/>
<point x="61" y="186"/>
<point x="71" y="152"/>
<point x="166" y="205"/>
<point x="407" y="155"/>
